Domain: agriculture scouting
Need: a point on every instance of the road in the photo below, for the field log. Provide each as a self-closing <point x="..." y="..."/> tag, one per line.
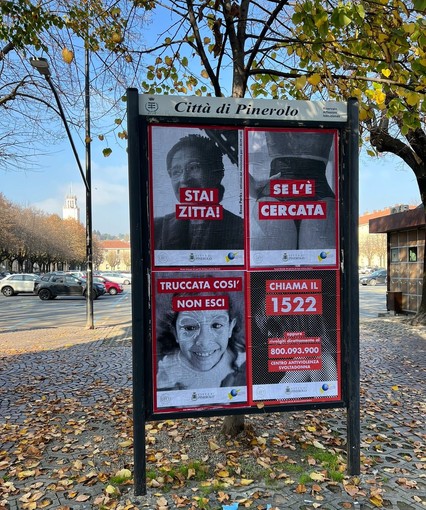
<point x="24" y="312"/>
<point x="372" y="301"/>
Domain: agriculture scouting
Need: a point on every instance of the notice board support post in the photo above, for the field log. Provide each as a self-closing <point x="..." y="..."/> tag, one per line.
<point x="351" y="297"/>
<point x="138" y="291"/>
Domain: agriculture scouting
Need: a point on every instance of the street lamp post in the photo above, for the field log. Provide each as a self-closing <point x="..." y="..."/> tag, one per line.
<point x="42" y="66"/>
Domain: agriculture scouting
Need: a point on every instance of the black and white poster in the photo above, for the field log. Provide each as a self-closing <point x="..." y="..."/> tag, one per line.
<point x="197" y="196"/>
<point x="292" y="197"/>
<point x="199" y="354"/>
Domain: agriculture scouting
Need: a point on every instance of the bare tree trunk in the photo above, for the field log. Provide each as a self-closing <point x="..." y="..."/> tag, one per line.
<point x="233" y="425"/>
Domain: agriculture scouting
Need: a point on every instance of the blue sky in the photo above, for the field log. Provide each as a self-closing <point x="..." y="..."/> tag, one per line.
<point x="384" y="182"/>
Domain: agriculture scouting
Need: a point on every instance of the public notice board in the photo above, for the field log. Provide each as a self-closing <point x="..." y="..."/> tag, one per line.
<point x="244" y="252"/>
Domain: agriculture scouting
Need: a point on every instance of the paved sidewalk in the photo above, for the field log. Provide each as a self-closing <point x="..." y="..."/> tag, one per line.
<point x="65" y="419"/>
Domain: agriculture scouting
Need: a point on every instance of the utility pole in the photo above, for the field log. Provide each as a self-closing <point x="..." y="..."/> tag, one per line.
<point x="42" y="66"/>
<point x="89" y="234"/>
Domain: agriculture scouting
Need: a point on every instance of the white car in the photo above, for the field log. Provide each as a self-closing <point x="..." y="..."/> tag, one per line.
<point x="16" y="283"/>
<point x="124" y="279"/>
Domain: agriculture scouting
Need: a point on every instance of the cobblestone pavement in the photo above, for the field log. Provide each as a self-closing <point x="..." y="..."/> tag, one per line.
<point x="65" y="409"/>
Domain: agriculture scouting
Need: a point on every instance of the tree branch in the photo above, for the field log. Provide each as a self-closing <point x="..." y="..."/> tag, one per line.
<point x="352" y="77"/>
<point x="200" y="48"/>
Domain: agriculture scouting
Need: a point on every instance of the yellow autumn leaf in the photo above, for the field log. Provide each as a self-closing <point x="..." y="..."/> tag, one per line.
<point x="223" y="473"/>
<point x="124" y="444"/>
<point x="300" y="82"/>
<point x="409" y="28"/>
<point x="386" y="72"/>
<point x="377" y="500"/>
<point x="30" y="506"/>
<point x="67" y="55"/>
<point x="124" y="473"/>
<point x="260" y="405"/>
<point x="245" y="481"/>
<point x="26" y="474"/>
<point x="363" y="114"/>
<point x="310" y="428"/>
<point x="314" y="79"/>
<point x="413" y="99"/>
<point x="78" y="465"/>
<point x="395" y="387"/>
<point x="213" y="446"/>
<point x="204" y="73"/>
<point x="116" y="37"/>
<point x="318" y="477"/>
<point x="380" y="97"/>
<point x="110" y="489"/>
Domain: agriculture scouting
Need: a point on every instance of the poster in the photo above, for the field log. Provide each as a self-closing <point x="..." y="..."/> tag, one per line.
<point x="197" y="196"/>
<point x="292" y="197"/>
<point x="295" y="337"/>
<point x="199" y="354"/>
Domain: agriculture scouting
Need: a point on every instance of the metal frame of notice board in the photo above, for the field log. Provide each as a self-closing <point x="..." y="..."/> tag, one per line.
<point x="145" y="115"/>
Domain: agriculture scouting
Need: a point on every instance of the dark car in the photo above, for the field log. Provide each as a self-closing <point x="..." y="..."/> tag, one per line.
<point x="374" y="278"/>
<point x="49" y="287"/>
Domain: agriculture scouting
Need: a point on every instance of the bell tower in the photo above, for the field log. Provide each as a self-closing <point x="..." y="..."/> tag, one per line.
<point x="71" y="209"/>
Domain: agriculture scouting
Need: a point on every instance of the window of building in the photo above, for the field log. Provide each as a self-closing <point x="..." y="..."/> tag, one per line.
<point x="412" y="254"/>
<point x="394" y="254"/>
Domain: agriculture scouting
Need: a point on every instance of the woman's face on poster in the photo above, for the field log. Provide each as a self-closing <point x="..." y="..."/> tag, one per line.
<point x="189" y="169"/>
<point x="203" y="336"/>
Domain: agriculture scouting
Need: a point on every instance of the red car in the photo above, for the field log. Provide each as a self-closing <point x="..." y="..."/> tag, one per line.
<point x="111" y="287"/>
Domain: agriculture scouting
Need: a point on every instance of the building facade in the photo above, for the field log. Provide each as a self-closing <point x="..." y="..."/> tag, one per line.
<point x="115" y="256"/>
<point x="405" y="233"/>
<point x="372" y="248"/>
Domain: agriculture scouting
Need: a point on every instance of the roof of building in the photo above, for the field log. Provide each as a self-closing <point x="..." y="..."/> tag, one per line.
<point x="115" y="244"/>
<point x="367" y="216"/>
<point x="413" y="218"/>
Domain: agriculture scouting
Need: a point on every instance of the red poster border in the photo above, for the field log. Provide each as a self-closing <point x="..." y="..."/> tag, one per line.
<point x="245" y="268"/>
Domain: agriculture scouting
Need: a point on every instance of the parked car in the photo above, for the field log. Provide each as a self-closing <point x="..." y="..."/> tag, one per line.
<point x="374" y="278"/>
<point x="49" y="287"/>
<point x="77" y="274"/>
<point x="112" y="288"/>
<point x="15" y="283"/>
<point x="124" y="279"/>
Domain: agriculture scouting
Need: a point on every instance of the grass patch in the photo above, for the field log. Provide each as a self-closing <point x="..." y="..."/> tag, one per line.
<point x="168" y="476"/>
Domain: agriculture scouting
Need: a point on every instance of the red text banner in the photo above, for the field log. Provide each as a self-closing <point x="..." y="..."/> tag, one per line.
<point x="199" y="195"/>
<point x="187" y="304"/>
<point x="296" y="350"/>
<point x="287" y="365"/>
<point x="312" y="210"/>
<point x="286" y="188"/>
<point x="199" y="212"/>
<point x="173" y="285"/>
<point x="273" y="286"/>
<point x="292" y="304"/>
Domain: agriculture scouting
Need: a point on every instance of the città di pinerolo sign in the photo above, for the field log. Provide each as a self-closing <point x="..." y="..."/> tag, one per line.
<point x="227" y="108"/>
